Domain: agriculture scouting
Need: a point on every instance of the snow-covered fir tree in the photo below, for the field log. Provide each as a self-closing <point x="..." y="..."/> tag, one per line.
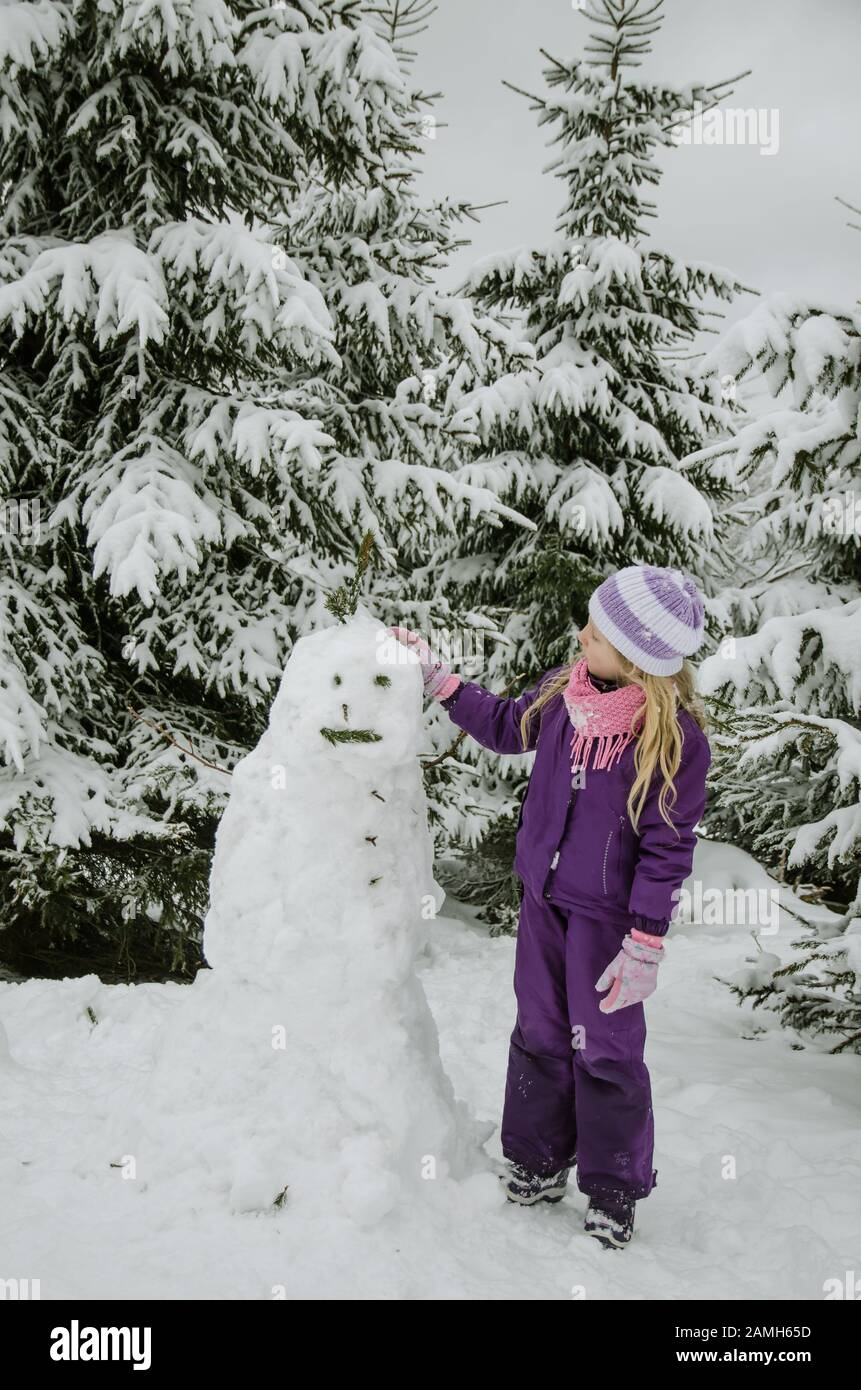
<point x="408" y="352"/>
<point x="206" y="422"/>
<point x="792" y="678"/>
<point x="588" y="440"/>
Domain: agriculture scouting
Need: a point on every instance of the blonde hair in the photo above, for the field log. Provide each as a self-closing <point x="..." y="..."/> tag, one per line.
<point x="658" y="734"/>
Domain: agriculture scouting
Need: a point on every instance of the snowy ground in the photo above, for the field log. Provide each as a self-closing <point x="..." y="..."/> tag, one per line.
<point x="789" y="1220"/>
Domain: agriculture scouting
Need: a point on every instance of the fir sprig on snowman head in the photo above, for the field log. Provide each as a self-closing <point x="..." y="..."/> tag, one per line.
<point x="343" y="600"/>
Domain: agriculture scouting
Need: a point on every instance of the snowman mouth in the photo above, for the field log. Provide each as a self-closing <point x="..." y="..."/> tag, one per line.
<point x="351" y="735"/>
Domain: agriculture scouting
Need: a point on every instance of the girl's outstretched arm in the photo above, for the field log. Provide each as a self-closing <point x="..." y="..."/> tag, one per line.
<point x="494" y="720"/>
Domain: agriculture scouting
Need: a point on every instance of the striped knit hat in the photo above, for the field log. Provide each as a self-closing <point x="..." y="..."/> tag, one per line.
<point x="655" y="617"/>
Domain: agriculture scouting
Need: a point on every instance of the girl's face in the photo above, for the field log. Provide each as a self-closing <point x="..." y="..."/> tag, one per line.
<point x="601" y="660"/>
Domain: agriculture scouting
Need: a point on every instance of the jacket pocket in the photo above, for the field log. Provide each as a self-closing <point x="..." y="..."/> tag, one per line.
<point x="591" y="853"/>
<point x="611" y="863"/>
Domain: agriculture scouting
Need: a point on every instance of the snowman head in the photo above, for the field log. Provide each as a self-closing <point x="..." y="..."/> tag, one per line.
<point x="343" y="685"/>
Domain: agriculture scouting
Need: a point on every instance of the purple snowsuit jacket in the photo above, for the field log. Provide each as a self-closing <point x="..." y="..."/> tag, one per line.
<point x="575" y="844"/>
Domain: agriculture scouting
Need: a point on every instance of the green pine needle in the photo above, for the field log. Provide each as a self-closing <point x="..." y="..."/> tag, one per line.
<point x="351" y="735"/>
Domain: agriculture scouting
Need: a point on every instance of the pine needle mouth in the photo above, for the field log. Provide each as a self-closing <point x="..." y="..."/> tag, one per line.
<point x="351" y="735"/>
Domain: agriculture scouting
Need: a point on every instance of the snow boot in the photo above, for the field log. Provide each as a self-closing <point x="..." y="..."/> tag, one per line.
<point x="523" y="1186"/>
<point x="610" y="1219"/>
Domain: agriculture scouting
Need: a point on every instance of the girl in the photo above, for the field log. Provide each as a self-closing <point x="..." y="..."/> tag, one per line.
<point x="604" y="842"/>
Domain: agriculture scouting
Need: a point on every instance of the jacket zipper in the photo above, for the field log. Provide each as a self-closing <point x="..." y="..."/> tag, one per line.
<point x="555" y="860"/>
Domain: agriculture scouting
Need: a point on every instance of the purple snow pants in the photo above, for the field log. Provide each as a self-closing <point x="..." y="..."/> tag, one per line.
<point x="577" y="1084"/>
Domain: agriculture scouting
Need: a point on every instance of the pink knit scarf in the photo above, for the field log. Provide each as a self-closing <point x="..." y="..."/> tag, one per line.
<point x="605" y="718"/>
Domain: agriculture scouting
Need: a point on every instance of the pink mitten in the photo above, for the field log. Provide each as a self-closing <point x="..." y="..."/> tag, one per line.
<point x="633" y="974"/>
<point x="438" y="678"/>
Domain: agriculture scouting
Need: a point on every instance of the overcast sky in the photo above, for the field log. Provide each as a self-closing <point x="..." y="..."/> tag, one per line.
<point x="771" y="218"/>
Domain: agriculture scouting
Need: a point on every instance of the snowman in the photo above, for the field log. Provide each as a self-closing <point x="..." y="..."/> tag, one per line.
<point x="304" y="1068"/>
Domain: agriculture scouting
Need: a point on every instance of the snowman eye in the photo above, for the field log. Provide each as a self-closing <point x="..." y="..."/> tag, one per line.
<point x="336" y="680"/>
<point x="382" y="680"/>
